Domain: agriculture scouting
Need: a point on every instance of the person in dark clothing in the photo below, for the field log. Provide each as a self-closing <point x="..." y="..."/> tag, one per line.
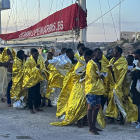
<point x="1" y="50"/>
<point x="130" y="59"/>
<point x="50" y="56"/>
<point x="5" y="64"/>
<point x="26" y="57"/>
<point x="70" y="55"/>
<point x="136" y="94"/>
<point x="9" y="69"/>
<point x="34" y="96"/>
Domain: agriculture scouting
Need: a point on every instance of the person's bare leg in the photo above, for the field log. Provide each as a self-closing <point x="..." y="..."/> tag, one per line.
<point x="95" y="113"/>
<point x="91" y="123"/>
<point x="89" y="117"/>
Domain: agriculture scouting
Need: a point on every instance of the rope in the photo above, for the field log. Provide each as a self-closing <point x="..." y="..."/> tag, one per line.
<point x="13" y="15"/>
<point x="60" y="14"/>
<point x="9" y="17"/>
<point x="120" y="18"/>
<point x="23" y="6"/>
<point x="105" y="13"/>
<point x="24" y="10"/>
<point x="56" y="5"/>
<point x="27" y="13"/>
<point x="102" y="20"/>
<point x="34" y="17"/>
<point x="30" y="13"/>
<point x="16" y="15"/>
<point x="112" y="20"/>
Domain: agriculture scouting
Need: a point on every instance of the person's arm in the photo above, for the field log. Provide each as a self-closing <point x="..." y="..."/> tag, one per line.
<point x="113" y="76"/>
<point x="46" y="63"/>
<point x="74" y="61"/>
<point x="5" y="64"/>
<point x="2" y="64"/>
<point x="110" y="67"/>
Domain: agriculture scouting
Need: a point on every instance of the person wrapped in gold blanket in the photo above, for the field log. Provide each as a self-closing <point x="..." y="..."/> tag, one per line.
<point x="34" y="69"/>
<point x="58" y="69"/>
<point x="68" y="84"/>
<point x="94" y="88"/>
<point x="75" y="106"/>
<point x="118" y="97"/>
<point x="17" y="76"/>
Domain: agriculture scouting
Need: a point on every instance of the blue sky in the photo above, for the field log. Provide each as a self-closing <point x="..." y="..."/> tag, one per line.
<point x="27" y="16"/>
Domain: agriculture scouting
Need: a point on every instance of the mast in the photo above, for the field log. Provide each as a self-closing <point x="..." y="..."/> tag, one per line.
<point x="83" y="35"/>
<point x="38" y="17"/>
<point x="120" y="18"/>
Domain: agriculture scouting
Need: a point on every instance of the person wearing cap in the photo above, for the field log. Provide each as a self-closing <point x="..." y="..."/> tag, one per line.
<point x="136" y="77"/>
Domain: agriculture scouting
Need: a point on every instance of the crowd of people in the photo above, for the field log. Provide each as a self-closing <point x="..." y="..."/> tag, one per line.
<point x="79" y="85"/>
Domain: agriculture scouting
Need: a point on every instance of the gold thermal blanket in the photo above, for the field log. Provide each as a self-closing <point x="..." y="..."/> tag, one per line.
<point x="94" y="85"/>
<point x="118" y="97"/>
<point x="57" y="70"/>
<point x="77" y="56"/>
<point x="5" y="57"/>
<point x="33" y="75"/>
<point x="72" y="101"/>
<point x="17" y="79"/>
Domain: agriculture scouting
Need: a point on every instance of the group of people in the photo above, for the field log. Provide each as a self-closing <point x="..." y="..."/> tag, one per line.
<point x="78" y="84"/>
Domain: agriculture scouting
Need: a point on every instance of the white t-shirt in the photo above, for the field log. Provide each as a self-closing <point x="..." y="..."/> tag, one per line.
<point x="136" y="62"/>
